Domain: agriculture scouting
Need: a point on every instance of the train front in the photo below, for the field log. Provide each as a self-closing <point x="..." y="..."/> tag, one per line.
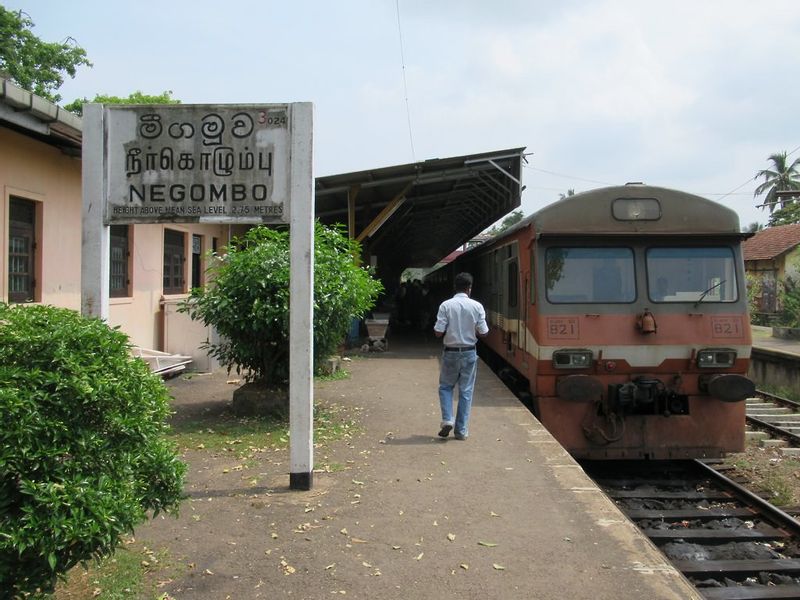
<point x="642" y="332"/>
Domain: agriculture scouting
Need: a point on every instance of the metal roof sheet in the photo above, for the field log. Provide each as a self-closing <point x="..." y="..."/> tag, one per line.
<point x="415" y="214"/>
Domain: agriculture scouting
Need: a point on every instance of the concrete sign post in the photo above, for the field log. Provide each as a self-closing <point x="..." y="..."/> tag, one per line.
<point x="301" y="298"/>
<point x="95" y="236"/>
<point x="208" y="164"/>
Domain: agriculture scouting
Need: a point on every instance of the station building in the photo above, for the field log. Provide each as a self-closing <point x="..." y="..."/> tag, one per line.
<point x="404" y="216"/>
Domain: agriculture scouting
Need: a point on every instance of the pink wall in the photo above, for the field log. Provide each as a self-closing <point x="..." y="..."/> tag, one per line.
<point x="41" y="173"/>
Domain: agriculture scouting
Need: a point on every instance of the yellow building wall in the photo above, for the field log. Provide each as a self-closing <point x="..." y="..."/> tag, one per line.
<point x="141" y="315"/>
<point x="39" y="172"/>
<point x="35" y="171"/>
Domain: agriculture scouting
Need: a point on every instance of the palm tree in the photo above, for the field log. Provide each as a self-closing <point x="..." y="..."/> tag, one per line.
<point x="781" y="178"/>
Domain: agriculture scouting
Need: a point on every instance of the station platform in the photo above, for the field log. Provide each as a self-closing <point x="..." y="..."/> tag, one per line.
<point x="764" y="340"/>
<point x="400" y="513"/>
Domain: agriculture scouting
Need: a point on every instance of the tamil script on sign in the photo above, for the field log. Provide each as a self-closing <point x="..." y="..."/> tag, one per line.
<point x="187" y="163"/>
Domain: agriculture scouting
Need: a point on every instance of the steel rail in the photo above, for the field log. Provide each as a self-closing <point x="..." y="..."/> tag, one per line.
<point x="774" y="429"/>
<point x="779" y="399"/>
<point x="772" y="512"/>
<point x="699" y="478"/>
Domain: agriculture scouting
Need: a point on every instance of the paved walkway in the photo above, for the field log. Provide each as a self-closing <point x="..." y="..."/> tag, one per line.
<point x="506" y="514"/>
<point x="762" y="339"/>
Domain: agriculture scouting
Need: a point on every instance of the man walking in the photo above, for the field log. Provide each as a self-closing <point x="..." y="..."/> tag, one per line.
<point x="460" y="320"/>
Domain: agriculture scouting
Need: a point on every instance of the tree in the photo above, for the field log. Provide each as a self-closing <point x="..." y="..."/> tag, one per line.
<point x="136" y="97"/>
<point x="248" y="302"/>
<point x="83" y="457"/>
<point x="510" y="220"/>
<point x="754" y="227"/>
<point x="32" y="64"/>
<point x="570" y="192"/>
<point x="782" y="177"/>
<point x="785" y="216"/>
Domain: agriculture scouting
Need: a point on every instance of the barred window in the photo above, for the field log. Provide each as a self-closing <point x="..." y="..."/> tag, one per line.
<point x="174" y="262"/>
<point x="21" y="250"/>
<point x="119" y="277"/>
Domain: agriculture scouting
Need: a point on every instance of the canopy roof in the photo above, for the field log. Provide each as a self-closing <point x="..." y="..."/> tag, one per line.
<point x="415" y="214"/>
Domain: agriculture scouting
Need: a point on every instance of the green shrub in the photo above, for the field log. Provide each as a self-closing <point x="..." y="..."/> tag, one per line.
<point x="790" y="303"/>
<point x="83" y="456"/>
<point x="248" y="301"/>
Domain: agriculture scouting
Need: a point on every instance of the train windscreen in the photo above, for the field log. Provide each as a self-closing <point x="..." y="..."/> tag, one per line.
<point x="590" y="275"/>
<point x="700" y="274"/>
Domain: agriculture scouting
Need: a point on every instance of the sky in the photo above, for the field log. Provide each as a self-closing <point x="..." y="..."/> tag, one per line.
<point x="687" y="94"/>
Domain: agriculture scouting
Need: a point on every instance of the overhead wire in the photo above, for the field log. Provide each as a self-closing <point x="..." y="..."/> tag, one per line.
<point x="733" y="192"/>
<point x="405" y="84"/>
<point x="737" y="188"/>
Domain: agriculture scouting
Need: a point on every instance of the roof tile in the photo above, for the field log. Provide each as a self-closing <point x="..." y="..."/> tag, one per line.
<point x="771" y="242"/>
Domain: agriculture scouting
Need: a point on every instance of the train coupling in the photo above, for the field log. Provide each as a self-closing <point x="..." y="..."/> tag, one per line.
<point x="645" y="396"/>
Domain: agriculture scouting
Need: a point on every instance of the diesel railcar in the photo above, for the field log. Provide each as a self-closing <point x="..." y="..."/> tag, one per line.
<point x="622" y="315"/>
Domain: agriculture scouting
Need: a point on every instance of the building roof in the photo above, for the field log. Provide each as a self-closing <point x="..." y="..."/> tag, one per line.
<point x="772" y="242"/>
<point x="35" y="116"/>
<point x="415" y="214"/>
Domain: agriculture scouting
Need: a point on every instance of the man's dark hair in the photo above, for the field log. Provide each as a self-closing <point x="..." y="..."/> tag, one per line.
<point x="463" y="282"/>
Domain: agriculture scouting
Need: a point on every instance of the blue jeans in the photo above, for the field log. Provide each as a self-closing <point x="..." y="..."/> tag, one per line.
<point x="457" y="368"/>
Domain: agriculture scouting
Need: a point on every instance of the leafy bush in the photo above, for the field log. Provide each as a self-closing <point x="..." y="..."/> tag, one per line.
<point x="83" y="456"/>
<point x="790" y="303"/>
<point x="248" y="302"/>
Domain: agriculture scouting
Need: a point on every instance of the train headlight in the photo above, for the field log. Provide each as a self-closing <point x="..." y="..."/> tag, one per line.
<point x="716" y="358"/>
<point x="572" y="359"/>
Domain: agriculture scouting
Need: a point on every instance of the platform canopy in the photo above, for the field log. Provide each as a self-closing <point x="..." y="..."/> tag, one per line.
<point x="413" y="215"/>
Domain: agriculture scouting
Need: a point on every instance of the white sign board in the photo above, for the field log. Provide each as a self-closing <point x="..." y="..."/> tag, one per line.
<point x="204" y="163"/>
<point x="190" y="163"/>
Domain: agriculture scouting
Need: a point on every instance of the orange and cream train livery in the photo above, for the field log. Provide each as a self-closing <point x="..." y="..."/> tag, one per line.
<point x="621" y="316"/>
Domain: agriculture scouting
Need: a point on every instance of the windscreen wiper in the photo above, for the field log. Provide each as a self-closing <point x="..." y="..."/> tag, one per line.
<point x="709" y="290"/>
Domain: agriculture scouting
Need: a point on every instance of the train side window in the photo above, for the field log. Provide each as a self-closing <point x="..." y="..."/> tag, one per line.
<point x="590" y="275"/>
<point x="513" y="283"/>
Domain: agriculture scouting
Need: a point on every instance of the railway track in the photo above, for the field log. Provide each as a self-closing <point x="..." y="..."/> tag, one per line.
<point x="778" y="416"/>
<point x="730" y="543"/>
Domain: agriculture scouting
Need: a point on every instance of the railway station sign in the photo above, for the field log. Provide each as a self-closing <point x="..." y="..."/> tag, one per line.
<point x="225" y="163"/>
<point x="197" y="163"/>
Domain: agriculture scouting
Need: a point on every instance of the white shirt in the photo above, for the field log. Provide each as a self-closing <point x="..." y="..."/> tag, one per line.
<point x="460" y="318"/>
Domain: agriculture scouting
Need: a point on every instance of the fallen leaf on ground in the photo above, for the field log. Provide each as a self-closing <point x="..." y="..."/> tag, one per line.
<point x="421" y="554"/>
<point x="498" y="567"/>
<point x="451" y="536"/>
<point x="487" y="544"/>
<point x="464" y="566"/>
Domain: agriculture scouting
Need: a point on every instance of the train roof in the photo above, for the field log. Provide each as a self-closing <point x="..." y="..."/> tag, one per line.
<point x="634" y="208"/>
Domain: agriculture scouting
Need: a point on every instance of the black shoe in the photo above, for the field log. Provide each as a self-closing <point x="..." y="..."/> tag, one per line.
<point x="460" y="436"/>
<point x="445" y="430"/>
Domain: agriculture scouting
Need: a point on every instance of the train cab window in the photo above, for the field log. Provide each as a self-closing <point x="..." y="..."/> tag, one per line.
<point x="702" y="274"/>
<point x="589" y="275"/>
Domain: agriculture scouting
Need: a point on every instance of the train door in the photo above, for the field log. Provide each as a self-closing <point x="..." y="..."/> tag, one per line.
<point x="510" y="297"/>
<point x="496" y="308"/>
